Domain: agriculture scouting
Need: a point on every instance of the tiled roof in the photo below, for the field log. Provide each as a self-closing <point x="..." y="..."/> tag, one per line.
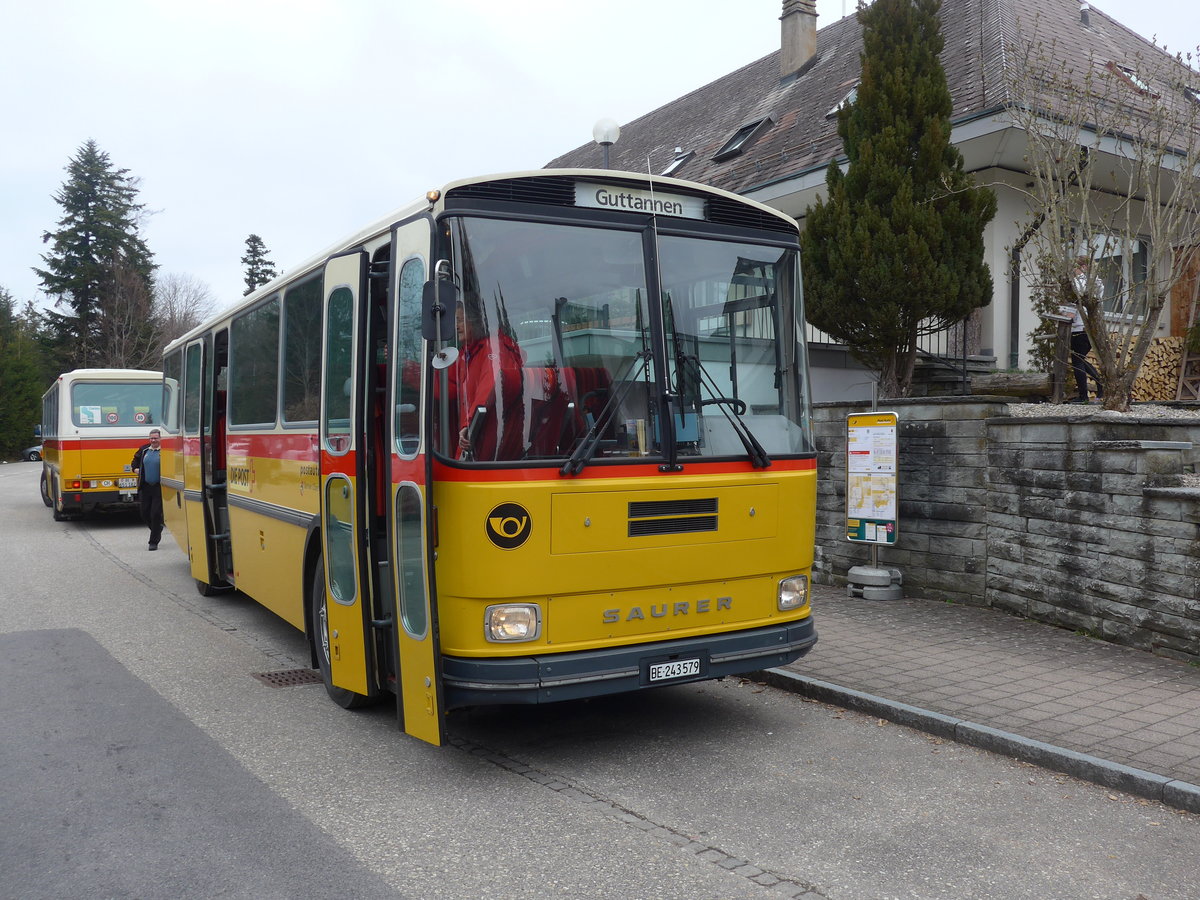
<point x="977" y="35"/>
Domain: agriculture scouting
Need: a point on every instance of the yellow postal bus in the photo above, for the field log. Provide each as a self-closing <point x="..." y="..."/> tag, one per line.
<point x="535" y="437"/>
<point x="92" y="422"/>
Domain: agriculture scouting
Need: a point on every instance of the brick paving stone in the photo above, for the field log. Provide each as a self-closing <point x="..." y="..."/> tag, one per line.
<point x="1078" y="718"/>
<point x="1023" y="718"/>
<point x="1160" y="759"/>
<point x="1152" y="714"/>
<point x="1172" y="728"/>
<point x="1119" y="706"/>
<point x="1009" y="704"/>
<point x="1098" y="732"/>
<point x="1191" y="717"/>
<point x="1055" y="708"/>
<point x="1039" y="696"/>
<point x="1128" y="743"/>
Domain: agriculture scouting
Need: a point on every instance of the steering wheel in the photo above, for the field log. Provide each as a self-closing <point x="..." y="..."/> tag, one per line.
<point x="739" y="406"/>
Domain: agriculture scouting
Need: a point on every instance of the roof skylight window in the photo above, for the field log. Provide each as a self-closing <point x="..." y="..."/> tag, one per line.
<point x="850" y="97"/>
<point x="678" y="161"/>
<point x="742" y="138"/>
<point x="1130" y="76"/>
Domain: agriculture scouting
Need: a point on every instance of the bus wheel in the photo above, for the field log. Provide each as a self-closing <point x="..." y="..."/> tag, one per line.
<point x="319" y="632"/>
<point x="204" y="589"/>
<point x="46" y="498"/>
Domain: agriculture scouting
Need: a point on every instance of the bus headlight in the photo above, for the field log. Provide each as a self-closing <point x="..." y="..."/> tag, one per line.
<point x="509" y="622"/>
<point x="793" y="592"/>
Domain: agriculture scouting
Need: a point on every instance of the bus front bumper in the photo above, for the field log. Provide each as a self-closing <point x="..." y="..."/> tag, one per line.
<point x="552" y="677"/>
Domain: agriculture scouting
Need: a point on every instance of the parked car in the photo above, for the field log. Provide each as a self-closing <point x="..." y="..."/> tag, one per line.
<point x="32" y="454"/>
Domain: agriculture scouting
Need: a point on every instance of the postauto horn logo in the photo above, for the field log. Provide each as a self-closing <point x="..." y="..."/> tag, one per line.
<point x="508" y="526"/>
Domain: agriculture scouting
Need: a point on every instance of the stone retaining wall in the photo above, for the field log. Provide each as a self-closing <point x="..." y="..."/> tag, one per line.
<point x="1082" y="521"/>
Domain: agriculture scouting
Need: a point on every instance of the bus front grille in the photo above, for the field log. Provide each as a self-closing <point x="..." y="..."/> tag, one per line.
<point x="654" y="517"/>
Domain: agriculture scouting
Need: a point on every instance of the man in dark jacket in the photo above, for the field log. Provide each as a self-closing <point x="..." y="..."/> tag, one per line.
<point x="148" y="469"/>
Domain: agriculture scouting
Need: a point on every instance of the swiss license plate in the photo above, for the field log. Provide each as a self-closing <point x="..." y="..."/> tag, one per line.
<point x="676" y="668"/>
<point x="126" y="482"/>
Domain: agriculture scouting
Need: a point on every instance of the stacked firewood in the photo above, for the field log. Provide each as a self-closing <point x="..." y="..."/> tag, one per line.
<point x="1159" y="375"/>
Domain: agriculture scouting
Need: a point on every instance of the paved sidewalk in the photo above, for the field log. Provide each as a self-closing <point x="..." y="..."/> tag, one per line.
<point x="1110" y="714"/>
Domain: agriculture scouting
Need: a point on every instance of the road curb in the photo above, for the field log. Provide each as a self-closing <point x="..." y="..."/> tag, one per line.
<point x="1169" y="791"/>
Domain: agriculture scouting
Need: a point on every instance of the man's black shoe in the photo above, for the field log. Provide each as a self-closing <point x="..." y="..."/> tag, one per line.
<point x="152" y="546"/>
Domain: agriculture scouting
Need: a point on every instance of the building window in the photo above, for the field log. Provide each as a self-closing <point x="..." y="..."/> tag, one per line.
<point x="850" y="97"/>
<point x="1120" y="266"/>
<point x="1131" y="78"/>
<point x="678" y="161"/>
<point x="742" y="138"/>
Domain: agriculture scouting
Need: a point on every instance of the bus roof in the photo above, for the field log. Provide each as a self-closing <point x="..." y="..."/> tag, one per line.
<point x="111" y="375"/>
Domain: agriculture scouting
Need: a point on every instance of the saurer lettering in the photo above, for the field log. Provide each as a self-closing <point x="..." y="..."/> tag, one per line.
<point x="663" y="610"/>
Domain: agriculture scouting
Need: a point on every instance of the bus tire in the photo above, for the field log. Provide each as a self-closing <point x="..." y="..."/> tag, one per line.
<point x="46" y="498"/>
<point x="319" y="632"/>
<point x="204" y="589"/>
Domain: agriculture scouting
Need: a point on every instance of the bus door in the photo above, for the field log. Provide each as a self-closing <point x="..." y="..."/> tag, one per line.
<point x="196" y="359"/>
<point x="212" y="455"/>
<point x="419" y="684"/>
<point x="343" y="506"/>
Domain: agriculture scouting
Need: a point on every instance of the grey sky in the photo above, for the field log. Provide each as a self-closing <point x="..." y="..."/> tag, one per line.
<point x="303" y="120"/>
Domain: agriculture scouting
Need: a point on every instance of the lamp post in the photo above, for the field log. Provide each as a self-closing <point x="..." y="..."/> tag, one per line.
<point x="605" y="133"/>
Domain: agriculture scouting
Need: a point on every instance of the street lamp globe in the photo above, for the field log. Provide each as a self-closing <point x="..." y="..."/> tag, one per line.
<point x="605" y="133"/>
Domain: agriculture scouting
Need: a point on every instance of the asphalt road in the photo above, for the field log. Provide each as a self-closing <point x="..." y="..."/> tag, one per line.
<point x="142" y="759"/>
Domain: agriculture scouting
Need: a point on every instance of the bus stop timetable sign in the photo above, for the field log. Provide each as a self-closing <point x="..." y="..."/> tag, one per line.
<point x="872" y="485"/>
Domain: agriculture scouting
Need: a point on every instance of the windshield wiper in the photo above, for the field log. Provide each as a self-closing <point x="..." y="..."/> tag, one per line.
<point x="758" y="455"/>
<point x="587" y="447"/>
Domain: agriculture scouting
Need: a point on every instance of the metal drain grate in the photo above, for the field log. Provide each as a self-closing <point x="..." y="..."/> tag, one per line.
<point x="288" y="677"/>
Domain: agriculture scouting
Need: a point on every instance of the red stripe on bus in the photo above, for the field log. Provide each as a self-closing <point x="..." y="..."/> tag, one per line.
<point x="291" y="445"/>
<point x="94" y="443"/>
<point x="302" y="445"/>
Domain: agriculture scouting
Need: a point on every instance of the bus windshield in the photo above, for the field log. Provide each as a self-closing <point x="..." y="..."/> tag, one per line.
<point x="731" y="348"/>
<point x="107" y="403"/>
<point x="555" y="332"/>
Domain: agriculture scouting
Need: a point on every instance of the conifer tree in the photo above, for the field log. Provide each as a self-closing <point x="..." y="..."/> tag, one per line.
<point x="21" y="384"/>
<point x="259" y="268"/>
<point x="895" y="249"/>
<point x="99" y="267"/>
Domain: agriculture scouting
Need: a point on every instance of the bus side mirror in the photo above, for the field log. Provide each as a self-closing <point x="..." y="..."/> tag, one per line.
<point x="37" y="431"/>
<point x="438" y="301"/>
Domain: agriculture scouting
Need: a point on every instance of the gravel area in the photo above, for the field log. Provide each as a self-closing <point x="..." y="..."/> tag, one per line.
<point x="1136" y="411"/>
